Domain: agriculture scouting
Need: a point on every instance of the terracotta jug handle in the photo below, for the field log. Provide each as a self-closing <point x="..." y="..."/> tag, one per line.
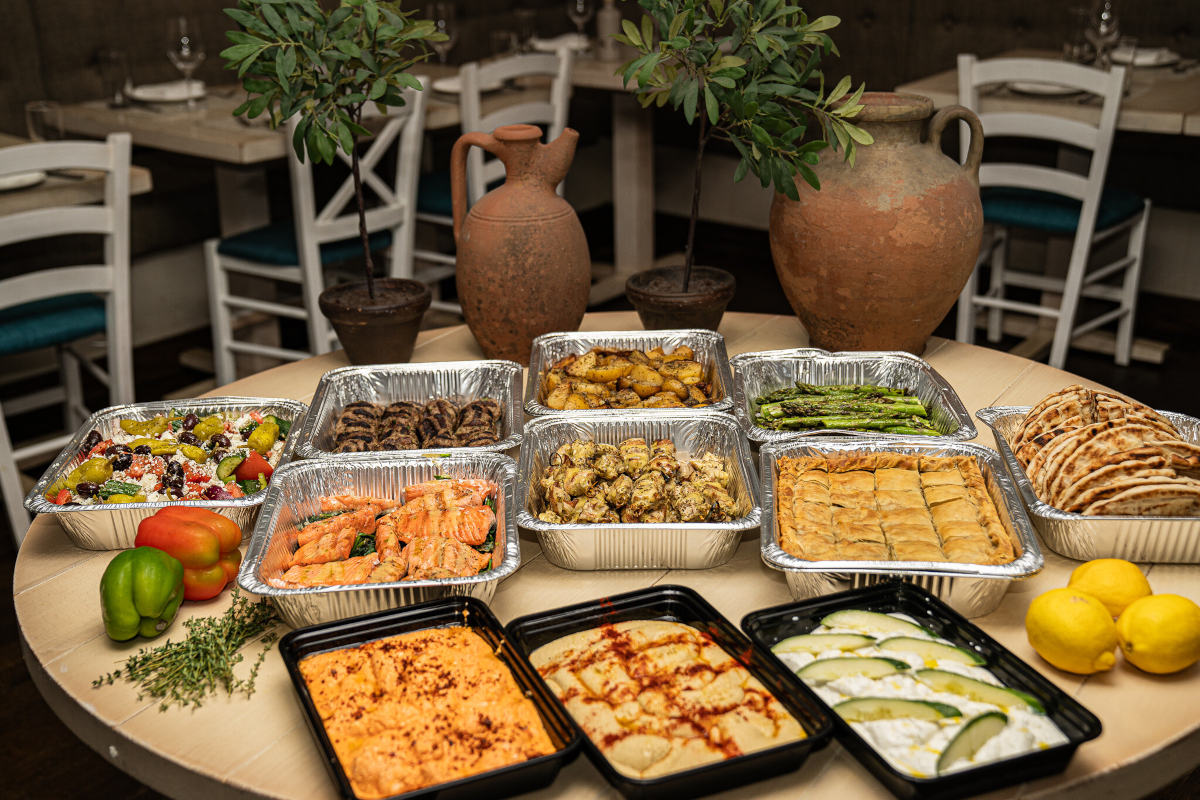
<point x="458" y="172"/>
<point x="938" y="124"/>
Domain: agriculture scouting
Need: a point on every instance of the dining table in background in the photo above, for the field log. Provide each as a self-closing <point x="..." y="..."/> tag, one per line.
<point x="1159" y="100"/>
<point x="68" y="188"/>
<point x="241" y="148"/>
<point x="260" y="747"/>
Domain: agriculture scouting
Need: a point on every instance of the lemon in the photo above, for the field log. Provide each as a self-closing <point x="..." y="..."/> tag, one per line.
<point x="1161" y="633"/>
<point x="1072" y="630"/>
<point x="1113" y="581"/>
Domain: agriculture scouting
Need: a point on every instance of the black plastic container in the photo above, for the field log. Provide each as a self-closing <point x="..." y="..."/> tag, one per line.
<point x="680" y="604"/>
<point x="444" y="613"/>
<point x="772" y="625"/>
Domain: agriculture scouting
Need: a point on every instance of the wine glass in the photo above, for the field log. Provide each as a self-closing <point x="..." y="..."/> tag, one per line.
<point x="581" y="13"/>
<point x="185" y="49"/>
<point x="443" y="16"/>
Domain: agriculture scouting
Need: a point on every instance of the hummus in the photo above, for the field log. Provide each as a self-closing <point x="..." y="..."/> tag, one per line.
<point x="660" y="697"/>
<point x="422" y="708"/>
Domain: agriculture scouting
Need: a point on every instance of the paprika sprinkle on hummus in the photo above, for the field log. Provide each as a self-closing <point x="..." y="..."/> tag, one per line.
<point x="422" y="708"/>
<point x="659" y="697"/>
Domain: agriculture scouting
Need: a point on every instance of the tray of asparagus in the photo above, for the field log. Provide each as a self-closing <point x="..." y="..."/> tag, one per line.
<point x="782" y="394"/>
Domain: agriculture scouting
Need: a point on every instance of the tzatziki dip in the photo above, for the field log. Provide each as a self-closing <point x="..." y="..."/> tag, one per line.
<point x="926" y="705"/>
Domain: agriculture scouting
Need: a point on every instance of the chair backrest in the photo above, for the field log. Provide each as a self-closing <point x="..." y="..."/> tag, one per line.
<point x="109" y="219"/>
<point x="402" y="129"/>
<point x="1095" y="138"/>
<point x="551" y="114"/>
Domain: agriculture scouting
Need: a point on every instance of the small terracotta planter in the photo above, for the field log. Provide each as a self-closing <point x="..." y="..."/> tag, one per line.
<point x="660" y="303"/>
<point x="382" y="330"/>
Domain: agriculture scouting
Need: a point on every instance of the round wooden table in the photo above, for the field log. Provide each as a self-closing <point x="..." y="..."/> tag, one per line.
<point x="261" y="747"/>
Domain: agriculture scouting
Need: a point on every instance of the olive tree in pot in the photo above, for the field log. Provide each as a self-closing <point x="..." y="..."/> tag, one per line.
<point x="748" y="73"/>
<point x="296" y="58"/>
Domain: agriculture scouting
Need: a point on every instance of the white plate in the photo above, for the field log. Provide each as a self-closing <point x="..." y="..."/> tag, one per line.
<point x="1145" y="56"/>
<point x="169" y="92"/>
<point x="1042" y="89"/>
<point x="21" y="180"/>
<point x="452" y="85"/>
<point x="568" y="41"/>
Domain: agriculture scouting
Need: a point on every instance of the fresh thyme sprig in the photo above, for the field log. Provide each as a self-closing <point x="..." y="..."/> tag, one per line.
<point x="185" y="673"/>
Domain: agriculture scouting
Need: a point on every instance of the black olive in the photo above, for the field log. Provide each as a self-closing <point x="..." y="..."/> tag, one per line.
<point x="216" y="455"/>
<point x="91" y="440"/>
<point x="189" y="421"/>
<point x="113" y="449"/>
<point x="219" y="440"/>
<point x="87" y="488"/>
<point x="143" y="450"/>
<point x="173" y="476"/>
<point x="122" y="461"/>
<point x="187" y="437"/>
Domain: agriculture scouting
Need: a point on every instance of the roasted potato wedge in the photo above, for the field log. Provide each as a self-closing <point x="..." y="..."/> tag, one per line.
<point x="588" y="387"/>
<point x="644" y="380"/>
<point x="676" y="386"/>
<point x="638" y="357"/>
<point x="553" y="378"/>
<point x="580" y="366"/>
<point x="686" y="371"/>
<point x="680" y="353"/>
<point x="626" y="398"/>
<point x="576" y="402"/>
<point x="596" y="401"/>
<point x="662" y="400"/>
<point x="557" y="398"/>
<point x="698" y="397"/>
<point x="614" y="370"/>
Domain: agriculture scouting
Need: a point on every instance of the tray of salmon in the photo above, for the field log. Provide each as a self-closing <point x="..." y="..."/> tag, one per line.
<point x="340" y="539"/>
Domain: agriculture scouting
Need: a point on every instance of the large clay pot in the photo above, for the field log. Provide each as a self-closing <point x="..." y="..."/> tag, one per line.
<point x="875" y="259"/>
<point x="523" y="265"/>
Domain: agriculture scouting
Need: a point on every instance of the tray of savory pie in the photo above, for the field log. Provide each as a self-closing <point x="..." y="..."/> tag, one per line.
<point x="943" y="515"/>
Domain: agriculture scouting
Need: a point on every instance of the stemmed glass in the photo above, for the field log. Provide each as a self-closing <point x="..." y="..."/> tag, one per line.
<point x="185" y="49"/>
<point x="443" y="17"/>
<point x="581" y="12"/>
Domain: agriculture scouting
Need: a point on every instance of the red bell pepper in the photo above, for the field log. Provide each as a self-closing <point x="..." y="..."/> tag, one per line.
<point x="253" y="466"/>
<point x="205" y="542"/>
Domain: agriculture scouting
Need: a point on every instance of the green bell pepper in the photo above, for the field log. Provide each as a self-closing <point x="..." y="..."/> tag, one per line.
<point x="140" y="592"/>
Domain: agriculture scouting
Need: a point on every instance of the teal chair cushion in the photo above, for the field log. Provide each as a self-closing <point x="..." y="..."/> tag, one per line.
<point x="1054" y="213"/>
<point x="55" y="320"/>
<point x="433" y="193"/>
<point x="276" y="244"/>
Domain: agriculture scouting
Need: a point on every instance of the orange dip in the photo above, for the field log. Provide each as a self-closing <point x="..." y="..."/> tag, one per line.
<point x="422" y="708"/>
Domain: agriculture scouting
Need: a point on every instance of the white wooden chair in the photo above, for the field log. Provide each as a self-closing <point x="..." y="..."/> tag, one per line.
<point x="297" y="252"/>
<point x="58" y="306"/>
<point x="1055" y="201"/>
<point x="433" y="200"/>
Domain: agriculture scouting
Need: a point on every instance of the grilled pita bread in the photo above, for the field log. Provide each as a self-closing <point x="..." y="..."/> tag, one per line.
<point x="1062" y="449"/>
<point x="1112" y="468"/>
<point x="1112" y="487"/>
<point x="1170" y="497"/>
<point x="1087" y="457"/>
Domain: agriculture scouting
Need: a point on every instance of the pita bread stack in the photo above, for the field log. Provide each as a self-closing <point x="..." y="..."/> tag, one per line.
<point x="1097" y="453"/>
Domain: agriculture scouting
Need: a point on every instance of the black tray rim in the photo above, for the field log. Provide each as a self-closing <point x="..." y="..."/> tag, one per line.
<point x="815" y="739"/>
<point x="1062" y="704"/>
<point x="371" y="626"/>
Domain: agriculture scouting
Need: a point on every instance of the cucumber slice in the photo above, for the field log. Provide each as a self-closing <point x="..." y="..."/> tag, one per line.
<point x="864" y="709"/>
<point x="822" y="642"/>
<point x="972" y="736"/>
<point x="942" y="681"/>
<point x="934" y="650"/>
<point x="830" y="669"/>
<point x="229" y="465"/>
<point x="871" y="622"/>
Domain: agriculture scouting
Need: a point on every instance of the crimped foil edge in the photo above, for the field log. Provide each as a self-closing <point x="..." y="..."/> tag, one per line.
<point x="322" y="411"/>
<point x="949" y="401"/>
<point x="710" y="342"/>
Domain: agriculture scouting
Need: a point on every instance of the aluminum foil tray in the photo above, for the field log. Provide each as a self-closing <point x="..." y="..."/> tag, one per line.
<point x="757" y="373"/>
<point x="677" y="545"/>
<point x="419" y="383"/>
<point x="293" y="495"/>
<point x="970" y="589"/>
<point x="1165" y="540"/>
<point x="709" y="347"/>
<point x="114" y="527"/>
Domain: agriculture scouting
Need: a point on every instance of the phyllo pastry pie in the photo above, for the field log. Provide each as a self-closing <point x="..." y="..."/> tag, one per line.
<point x="889" y="507"/>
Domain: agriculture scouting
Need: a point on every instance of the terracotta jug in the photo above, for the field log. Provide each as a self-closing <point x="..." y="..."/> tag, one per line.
<point x="523" y="265"/>
<point x="875" y="259"/>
